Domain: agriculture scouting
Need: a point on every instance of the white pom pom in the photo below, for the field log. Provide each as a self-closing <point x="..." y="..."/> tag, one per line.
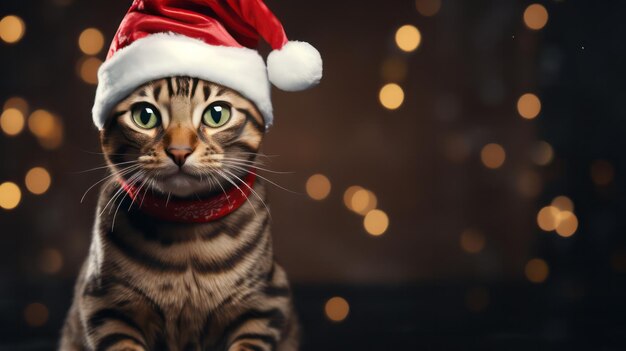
<point x="296" y="66"/>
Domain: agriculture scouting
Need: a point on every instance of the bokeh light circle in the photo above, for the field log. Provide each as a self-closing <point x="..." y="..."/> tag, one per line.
<point x="318" y="187"/>
<point x="493" y="155"/>
<point x="91" y="41"/>
<point x="376" y="222"/>
<point x="408" y="38"/>
<point x="337" y="309"/>
<point x="12" y="29"/>
<point x="536" y="16"/>
<point x="391" y="96"/>
<point x="10" y="195"/>
<point x="38" y="180"/>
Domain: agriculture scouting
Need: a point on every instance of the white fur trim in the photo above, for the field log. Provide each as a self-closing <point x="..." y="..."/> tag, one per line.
<point x="296" y="66"/>
<point x="165" y="54"/>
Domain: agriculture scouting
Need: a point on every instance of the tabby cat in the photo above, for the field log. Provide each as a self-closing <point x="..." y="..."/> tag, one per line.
<point x="151" y="283"/>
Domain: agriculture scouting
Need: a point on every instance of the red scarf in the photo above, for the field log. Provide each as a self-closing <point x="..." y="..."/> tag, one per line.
<point x="191" y="211"/>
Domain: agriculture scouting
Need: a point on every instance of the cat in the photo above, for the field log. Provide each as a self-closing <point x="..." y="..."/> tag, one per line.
<point x="151" y="282"/>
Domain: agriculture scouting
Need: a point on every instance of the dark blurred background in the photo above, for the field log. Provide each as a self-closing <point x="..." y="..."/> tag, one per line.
<point x="459" y="171"/>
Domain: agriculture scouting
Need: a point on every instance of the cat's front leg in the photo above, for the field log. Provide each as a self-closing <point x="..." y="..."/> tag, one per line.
<point x="119" y="342"/>
<point x="260" y="330"/>
<point x="111" y="324"/>
<point x="263" y="341"/>
<point x="115" y="335"/>
<point x="271" y="323"/>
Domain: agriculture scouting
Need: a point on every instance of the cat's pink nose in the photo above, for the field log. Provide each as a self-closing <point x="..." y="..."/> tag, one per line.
<point x="178" y="154"/>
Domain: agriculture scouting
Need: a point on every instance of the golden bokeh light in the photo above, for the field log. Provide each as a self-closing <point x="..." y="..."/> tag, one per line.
<point x="602" y="172"/>
<point x="47" y="127"/>
<point x="428" y="8"/>
<point x="91" y="41"/>
<point x="394" y="69"/>
<point x="472" y="241"/>
<point x="38" y="180"/>
<point x="36" y="314"/>
<point x="337" y="309"/>
<point x="529" y="106"/>
<point x="493" y="156"/>
<point x="535" y="16"/>
<point x="12" y="29"/>
<point x="537" y="270"/>
<point x="50" y="261"/>
<point x="10" y="195"/>
<point x="568" y="224"/>
<point x="559" y="217"/>
<point x="529" y="184"/>
<point x="376" y="222"/>
<point x="318" y="187"/>
<point x="477" y="299"/>
<point x="88" y="69"/>
<point x="348" y="194"/>
<point x="55" y="139"/>
<point x="17" y="103"/>
<point x="12" y="121"/>
<point x="41" y="123"/>
<point x="363" y="201"/>
<point x="391" y="96"/>
<point x="563" y="203"/>
<point x="408" y="38"/>
<point x="548" y="218"/>
<point x="542" y="153"/>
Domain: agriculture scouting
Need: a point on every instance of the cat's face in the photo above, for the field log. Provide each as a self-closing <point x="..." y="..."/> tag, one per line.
<point x="183" y="136"/>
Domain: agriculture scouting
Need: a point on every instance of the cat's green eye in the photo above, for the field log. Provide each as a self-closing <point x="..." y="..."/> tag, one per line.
<point x="216" y="115"/>
<point x="146" y="116"/>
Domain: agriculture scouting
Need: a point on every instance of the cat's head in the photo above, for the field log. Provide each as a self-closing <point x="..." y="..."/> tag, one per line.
<point x="183" y="136"/>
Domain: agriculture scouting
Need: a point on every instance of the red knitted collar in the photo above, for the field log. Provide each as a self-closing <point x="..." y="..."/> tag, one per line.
<point x="191" y="211"/>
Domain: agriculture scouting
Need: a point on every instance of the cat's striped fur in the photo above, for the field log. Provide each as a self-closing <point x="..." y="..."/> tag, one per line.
<point x="148" y="284"/>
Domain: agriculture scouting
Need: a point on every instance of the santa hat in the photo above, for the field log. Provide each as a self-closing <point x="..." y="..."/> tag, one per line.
<point x="213" y="40"/>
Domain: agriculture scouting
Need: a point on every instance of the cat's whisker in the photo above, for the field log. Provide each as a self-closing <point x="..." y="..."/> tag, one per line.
<point x="130" y="182"/>
<point x="102" y="153"/>
<point x="252" y="162"/>
<point x="103" y="167"/>
<point x="139" y="176"/>
<point x="251" y="189"/>
<point x="117" y="209"/>
<point x="151" y="185"/>
<point x="143" y="183"/>
<point x="119" y="173"/>
<point x="221" y="187"/>
<point x="256" y="167"/>
<point x="237" y="186"/>
<point x="123" y="193"/>
<point x="267" y="180"/>
<point x="120" y="190"/>
<point x="255" y="153"/>
<point x="117" y="192"/>
<point x="155" y="183"/>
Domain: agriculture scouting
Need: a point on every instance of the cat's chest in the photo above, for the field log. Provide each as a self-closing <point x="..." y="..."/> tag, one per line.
<point x="187" y="292"/>
<point x="187" y="300"/>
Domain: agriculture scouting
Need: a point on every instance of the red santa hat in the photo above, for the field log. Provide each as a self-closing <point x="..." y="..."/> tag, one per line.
<point x="214" y="40"/>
